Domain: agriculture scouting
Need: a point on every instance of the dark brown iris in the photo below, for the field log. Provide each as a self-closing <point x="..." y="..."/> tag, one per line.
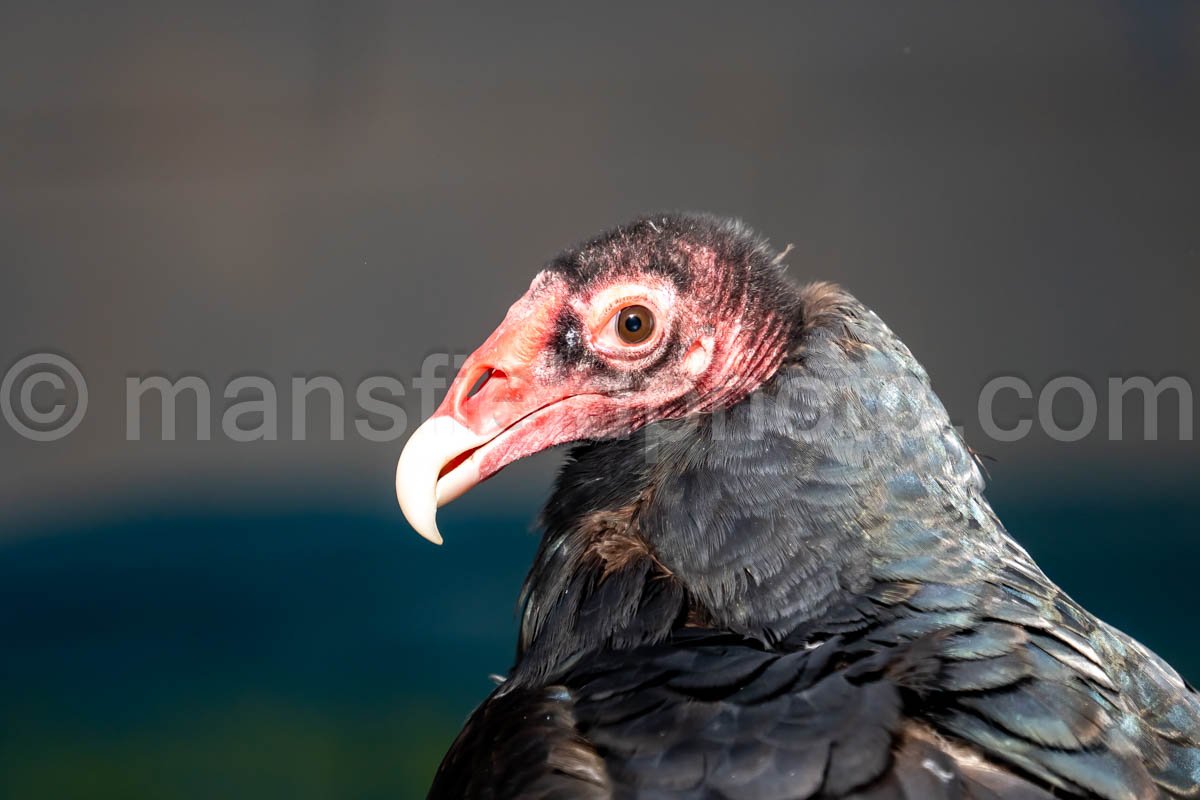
<point x="635" y="324"/>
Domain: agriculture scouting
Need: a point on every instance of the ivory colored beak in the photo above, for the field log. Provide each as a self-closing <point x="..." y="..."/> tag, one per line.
<point x="420" y="485"/>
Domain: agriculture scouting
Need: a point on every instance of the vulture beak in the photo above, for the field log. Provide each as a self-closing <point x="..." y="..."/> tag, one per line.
<point x="423" y="484"/>
<point x="494" y="413"/>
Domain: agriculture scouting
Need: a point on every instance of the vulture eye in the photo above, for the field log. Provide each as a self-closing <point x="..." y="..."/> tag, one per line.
<point x="635" y="324"/>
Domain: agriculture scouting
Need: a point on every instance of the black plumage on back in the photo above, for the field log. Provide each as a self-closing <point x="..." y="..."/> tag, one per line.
<point x="805" y="594"/>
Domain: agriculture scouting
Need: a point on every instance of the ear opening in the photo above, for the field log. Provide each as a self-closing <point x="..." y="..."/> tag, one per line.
<point x="698" y="356"/>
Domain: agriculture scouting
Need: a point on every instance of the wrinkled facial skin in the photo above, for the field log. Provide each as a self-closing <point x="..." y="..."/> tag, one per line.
<point x="576" y="345"/>
<point x="559" y="369"/>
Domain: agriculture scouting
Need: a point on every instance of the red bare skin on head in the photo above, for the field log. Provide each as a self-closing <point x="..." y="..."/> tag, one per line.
<point x="560" y="370"/>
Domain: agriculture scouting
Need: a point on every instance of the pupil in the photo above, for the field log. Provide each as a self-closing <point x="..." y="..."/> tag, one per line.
<point x="633" y="324"/>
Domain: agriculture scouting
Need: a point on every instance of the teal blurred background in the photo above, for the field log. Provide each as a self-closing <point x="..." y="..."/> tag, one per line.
<point x="299" y="189"/>
<point x="320" y="652"/>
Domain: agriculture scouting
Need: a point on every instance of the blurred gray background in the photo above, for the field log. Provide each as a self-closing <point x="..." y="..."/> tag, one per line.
<point x="300" y="189"/>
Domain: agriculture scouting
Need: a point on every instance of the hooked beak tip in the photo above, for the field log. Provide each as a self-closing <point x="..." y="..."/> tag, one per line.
<point x="418" y="502"/>
<point x="420" y="485"/>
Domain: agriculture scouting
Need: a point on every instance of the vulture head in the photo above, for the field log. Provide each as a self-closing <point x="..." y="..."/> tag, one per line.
<point x="742" y="442"/>
<point x="667" y="317"/>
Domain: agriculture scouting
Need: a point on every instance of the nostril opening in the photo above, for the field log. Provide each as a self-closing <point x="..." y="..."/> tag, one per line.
<point x="482" y="380"/>
<point x="479" y="382"/>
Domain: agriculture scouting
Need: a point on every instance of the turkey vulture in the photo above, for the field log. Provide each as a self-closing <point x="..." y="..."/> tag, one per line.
<point x="768" y="569"/>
